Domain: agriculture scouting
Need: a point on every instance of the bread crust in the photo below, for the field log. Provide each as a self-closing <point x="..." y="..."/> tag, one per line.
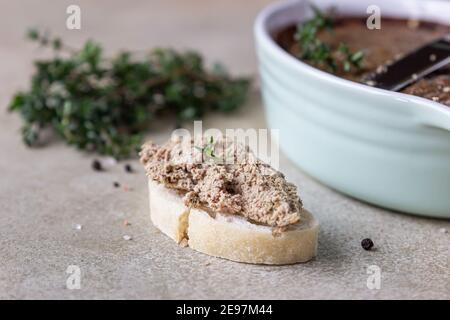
<point x="231" y="237"/>
<point x="167" y="211"/>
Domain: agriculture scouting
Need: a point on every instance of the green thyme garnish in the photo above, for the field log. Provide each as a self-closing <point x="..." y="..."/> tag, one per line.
<point x="351" y="59"/>
<point x="315" y="51"/>
<point x="208" y="149"/>
<point x="106" y="104"/>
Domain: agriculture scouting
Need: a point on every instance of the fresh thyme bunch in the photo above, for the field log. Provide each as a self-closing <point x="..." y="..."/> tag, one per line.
<point x="320" y="54"/>
<point x="105" y="105"/>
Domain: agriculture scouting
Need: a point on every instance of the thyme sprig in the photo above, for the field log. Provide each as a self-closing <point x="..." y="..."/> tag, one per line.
<point x="351" y="59"/>
<point x="208" y="149"/>
<point x="106" y="104"/>
<point x="320" y="54"/>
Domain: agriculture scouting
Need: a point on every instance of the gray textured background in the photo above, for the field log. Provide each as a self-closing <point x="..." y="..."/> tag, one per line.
<point x="44" y="193"/>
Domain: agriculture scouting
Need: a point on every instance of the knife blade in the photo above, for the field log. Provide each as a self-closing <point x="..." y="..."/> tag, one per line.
<point x="413" y="66"/>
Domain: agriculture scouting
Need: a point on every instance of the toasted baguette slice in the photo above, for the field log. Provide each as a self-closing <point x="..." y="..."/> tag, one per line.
<point x="231" y="237"/>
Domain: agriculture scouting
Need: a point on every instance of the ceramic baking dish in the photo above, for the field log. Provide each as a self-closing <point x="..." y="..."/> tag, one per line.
<point x="390" y="149"/>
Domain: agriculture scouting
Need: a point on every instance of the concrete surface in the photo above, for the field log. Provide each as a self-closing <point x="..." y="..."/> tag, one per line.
<point x="45" y="192"/>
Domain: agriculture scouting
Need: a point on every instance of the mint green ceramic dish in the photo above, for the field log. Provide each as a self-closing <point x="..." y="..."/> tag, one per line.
<point x="387" y="148"/>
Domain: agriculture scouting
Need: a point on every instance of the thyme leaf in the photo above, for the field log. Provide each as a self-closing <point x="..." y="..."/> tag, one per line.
<point x="208" y="149"/>
<point x="320" y="54"/>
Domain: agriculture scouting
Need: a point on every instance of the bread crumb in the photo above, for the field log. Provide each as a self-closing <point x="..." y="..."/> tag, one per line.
<point x="183" y="243"/>
<point x="126" y="223"/>
<point x="277" y="231"/>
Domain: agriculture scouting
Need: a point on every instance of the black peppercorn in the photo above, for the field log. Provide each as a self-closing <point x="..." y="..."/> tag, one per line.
<point x="128" y="168"/>
<point x="367" y="244"/>
<point x="96" y="165"/>
<point x="116" y="184"/>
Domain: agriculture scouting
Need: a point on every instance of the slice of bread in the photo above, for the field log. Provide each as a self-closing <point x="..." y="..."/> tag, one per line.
<point x="229" y="236"/>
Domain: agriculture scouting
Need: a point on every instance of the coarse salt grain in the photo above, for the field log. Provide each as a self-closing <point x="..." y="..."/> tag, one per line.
<point x="127" y="237"/>
<point x="108" y="162"/>
<point x="78" y="226"/>
<point x="443" y="230"/>
<point x="446" y="89"/>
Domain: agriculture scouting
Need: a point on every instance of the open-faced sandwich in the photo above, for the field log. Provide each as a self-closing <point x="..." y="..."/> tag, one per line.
<point x="216" y="197"/>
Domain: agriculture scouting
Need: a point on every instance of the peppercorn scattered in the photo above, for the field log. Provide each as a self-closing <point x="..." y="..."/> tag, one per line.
<point x="116" y="184"/>
<point x="97" y="165"/>
<point x="128" y="168"/>
<point x="367" y="244"/>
